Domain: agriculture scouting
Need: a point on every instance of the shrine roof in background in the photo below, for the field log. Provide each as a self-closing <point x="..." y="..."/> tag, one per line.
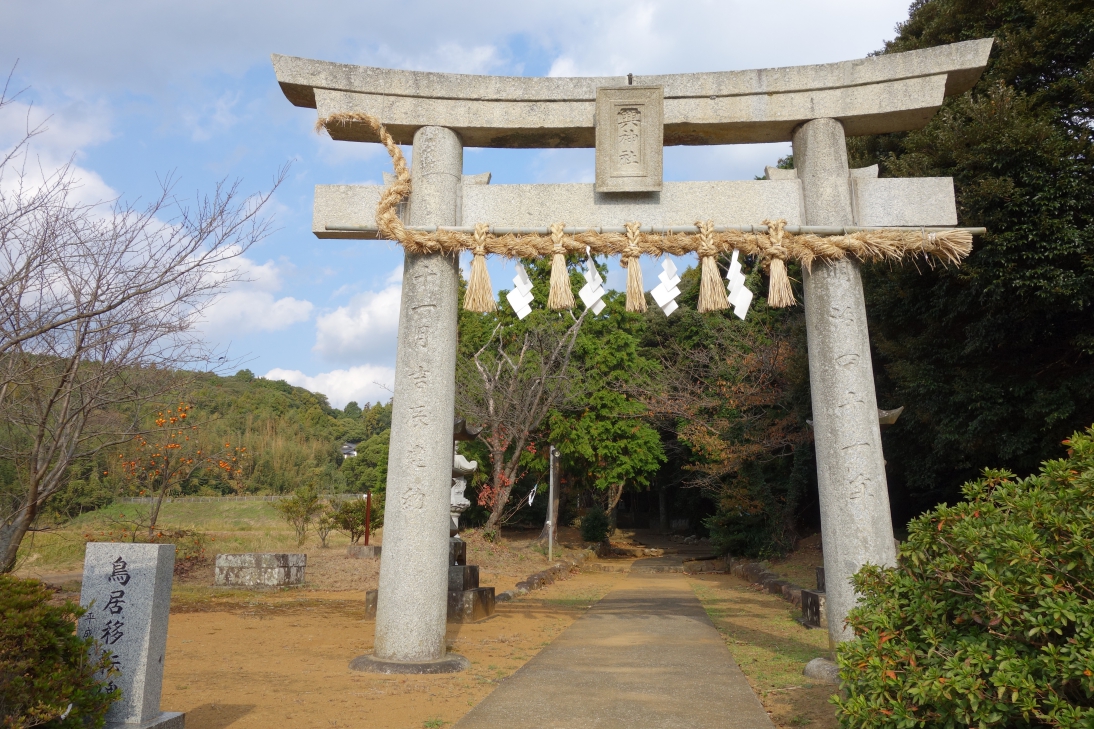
<point x="875" y="95"/>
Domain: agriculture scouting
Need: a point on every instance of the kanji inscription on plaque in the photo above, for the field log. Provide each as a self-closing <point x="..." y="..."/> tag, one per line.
<point x="629" y="138"/>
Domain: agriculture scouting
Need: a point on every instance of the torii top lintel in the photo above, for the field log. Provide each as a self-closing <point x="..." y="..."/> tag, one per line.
<point x="875" y="95"/>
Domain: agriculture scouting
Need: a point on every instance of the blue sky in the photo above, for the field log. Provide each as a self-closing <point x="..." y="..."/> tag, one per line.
<point x="134" y="91"/>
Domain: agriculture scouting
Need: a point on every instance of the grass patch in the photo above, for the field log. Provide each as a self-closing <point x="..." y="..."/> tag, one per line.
<point x="232" y="526"/>
<point x="189" y="598"/>
<point x="580" y="600"/>
<point x="771" y="648"/>
<point x="761" y="632"/>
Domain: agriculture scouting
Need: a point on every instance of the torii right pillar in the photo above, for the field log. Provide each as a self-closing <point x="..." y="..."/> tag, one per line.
<point x="856" y="525"/>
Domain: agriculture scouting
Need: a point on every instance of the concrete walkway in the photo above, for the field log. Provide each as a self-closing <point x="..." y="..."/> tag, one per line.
<point x="645" y="656"/>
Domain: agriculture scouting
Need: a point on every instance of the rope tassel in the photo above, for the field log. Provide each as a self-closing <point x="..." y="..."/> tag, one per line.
<point x="636" y="292"/>
<point x="561" y="295"/>
<point x="779" y="292"/>
<point x="479" y="296"/>
<point x="712" y="295"/>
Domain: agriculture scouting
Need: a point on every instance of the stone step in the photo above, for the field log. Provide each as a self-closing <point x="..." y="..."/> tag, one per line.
<point x="463" y="577"/>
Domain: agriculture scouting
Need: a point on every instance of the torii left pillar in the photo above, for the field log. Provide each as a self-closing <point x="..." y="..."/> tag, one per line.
<point x="412" y="599"/>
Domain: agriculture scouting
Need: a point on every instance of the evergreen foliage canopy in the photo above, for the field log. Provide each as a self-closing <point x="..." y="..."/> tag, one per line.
<point x="995" y="360"/>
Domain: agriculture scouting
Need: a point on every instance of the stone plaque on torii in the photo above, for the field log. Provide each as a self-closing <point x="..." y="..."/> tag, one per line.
<point x="814" y="107"/>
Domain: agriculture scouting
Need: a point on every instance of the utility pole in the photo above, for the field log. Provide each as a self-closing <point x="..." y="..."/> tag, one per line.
<point x="368" y="514"/>
<point x="551" y="515"/>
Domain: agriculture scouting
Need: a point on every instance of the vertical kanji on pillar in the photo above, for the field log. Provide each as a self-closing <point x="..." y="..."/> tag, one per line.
<point x="411" y="608"/>
<point x="856" y="524"/>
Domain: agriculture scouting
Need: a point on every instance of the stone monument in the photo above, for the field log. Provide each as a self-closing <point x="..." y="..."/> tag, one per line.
<point x="814" y="107"/>
<point x="461" y="470"/>
<point x="260" y="570"/>
<point x="127" y="594"/>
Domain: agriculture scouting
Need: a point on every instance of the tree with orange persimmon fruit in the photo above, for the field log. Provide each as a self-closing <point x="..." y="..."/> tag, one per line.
<point x="170" y="453"/>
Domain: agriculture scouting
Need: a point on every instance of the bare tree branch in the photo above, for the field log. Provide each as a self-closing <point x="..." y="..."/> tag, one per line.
<point x="508" y="386"/>
<point x="98" y="308"/>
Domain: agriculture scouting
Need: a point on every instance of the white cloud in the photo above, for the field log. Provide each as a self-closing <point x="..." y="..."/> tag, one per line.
<point x="364" y="330"/>
<point x="64" y="132"/>
<point x="213" y="118"/>
<point x="170" y="45"/>
<point x="722" y="162"/>
<point x="251" y="305"/>
<point x="366" y="383"/>
<point x="564" y="165"/>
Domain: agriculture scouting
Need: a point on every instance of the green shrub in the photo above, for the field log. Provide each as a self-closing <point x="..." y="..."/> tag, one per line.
<point x="324" y="525"/>
<point x="299" y="510"/>
<point x="595" y="525"/>
<point x="46" y="672"/>
<point x="740" y="535"/>
<point x="189" y="544"/>
<point x="988" y="618"/>
<point x="349" y="517"/>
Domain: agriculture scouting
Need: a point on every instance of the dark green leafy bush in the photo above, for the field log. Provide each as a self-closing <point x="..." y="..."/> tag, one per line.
<point x="45" y="669"/>
<point x="595" y="525"/>
<point x="988" y="618"/>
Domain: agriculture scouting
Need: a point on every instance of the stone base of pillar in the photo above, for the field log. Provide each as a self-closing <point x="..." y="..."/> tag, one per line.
<point x="451" y="663"/>
<point x="467" y="602"/>
<point x="360" y="551"/>
<point x="166" y="720"/>
<point x="822" y="669"/>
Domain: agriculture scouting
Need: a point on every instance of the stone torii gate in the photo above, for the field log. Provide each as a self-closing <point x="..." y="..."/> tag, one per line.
<point x="815" y="107"/>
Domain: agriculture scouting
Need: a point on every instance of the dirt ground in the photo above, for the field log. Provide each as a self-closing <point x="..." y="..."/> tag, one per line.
<point x="259" y="659"/>
<point x="247" y="659"/>
<point x="253" y="658"/>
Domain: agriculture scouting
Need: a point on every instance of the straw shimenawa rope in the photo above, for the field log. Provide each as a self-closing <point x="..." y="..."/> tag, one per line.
<point x="712" y="294"/>
<point x="773" y="249"/>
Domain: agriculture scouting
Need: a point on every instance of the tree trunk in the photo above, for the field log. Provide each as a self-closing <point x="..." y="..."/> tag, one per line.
<point x="501" y="496"/>
<point x="615" y="493"/>
<point x="11" y="536"/>
<point x="154" y="516"/>
<point x="663" y="509"/>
